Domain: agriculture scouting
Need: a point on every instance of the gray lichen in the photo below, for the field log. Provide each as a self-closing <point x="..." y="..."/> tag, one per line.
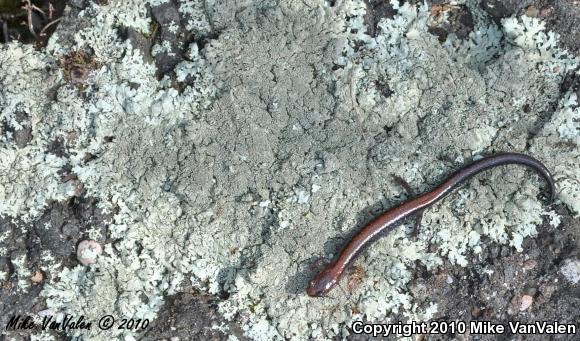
<point x="284" y="145"/>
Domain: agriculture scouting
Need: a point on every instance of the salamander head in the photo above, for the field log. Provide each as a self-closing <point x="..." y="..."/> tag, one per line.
<point x="322" y="283"/>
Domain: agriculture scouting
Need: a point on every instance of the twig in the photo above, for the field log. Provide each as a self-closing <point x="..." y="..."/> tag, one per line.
<point x="29" y="7"/>
<point x="43" y="31"/>
<point x="50" y="11"/>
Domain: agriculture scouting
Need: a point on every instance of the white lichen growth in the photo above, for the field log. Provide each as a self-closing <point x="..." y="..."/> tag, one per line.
<point x="123" y="90"/>
<point x="530" y="34"/>
<point x="256" y="326"/>
<point x="23" y="274"/>
<point x="30" y="176"/>
<point x="195" y="12"/>
<point x="42" y="336"/>
<point x="564" y="132"/>
<point x="172" y="169"/>
<point x="164" y="47"/>
<point x="570" y="269"/>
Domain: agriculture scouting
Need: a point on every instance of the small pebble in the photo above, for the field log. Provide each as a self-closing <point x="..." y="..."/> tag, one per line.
<point x="546" y="12"/>
<point x="526" y="302"/>
<point x="46" y="312"/>
<point x="87" y="252"/>
<point x="37" y="277"/>
<point x="475" y="312"/>
<point x="532" y="12"/>
<point x="529" y="264"/>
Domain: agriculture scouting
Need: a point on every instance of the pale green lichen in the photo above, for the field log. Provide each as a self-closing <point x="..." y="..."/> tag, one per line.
<point x="570" y="269"/>
<point x="196" y="14"/>
<point x="165" y="48"/>
<point x="22" y="272"/>
<point x="33" y="181"/>
<point x="239" y="193"/>
<point x="402" y="56"/>
<point x="4" y="236"/>
<point x="563" y="133"/>
<point x="504" y="223"/>
<point x="541" y="47"/>
<point x="42" y="336"/>
<point x="31" y="177"/>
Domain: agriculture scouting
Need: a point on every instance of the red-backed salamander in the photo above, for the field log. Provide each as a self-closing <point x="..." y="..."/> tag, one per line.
<point x="327" y="278"/>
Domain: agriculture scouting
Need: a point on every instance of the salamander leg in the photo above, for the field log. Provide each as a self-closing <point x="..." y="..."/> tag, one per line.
<point x="419" y="215"/>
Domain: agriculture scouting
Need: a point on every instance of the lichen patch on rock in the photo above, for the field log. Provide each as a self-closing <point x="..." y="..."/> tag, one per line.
<point x="269" y="138"/>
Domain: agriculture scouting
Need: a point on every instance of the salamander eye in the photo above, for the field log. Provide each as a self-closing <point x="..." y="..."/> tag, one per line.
<point x="313" y="289"/>
<point x="322" y="283"/>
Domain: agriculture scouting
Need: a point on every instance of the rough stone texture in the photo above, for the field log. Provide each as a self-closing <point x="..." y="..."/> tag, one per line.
<point x="47" y="245"/>
<point x="216" y="178"/>
<point x="191" y="315"/>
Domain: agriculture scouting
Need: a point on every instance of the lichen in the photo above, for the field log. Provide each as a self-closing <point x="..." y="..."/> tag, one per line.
<point x="562" y="133"/>
<point x="22" y="272"/>
<point x="120" y="93"/>
<point x="197" y="16"/>
<point x="277" y="145"/>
